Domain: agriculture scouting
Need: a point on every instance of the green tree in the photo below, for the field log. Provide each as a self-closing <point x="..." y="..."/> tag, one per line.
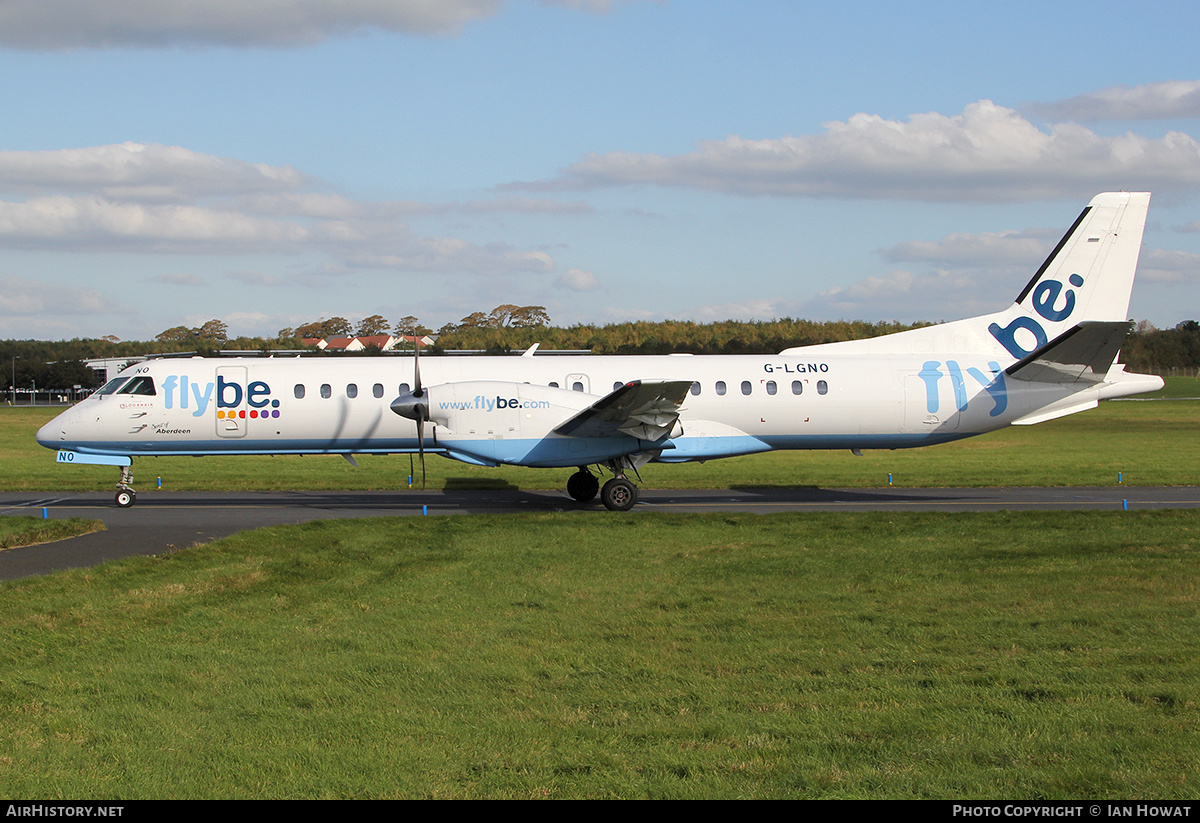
<point x="213" y="330"/>
<point x="371" y="326"/>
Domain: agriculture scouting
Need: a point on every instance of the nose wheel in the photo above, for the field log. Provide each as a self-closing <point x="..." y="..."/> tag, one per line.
<point x="125" y="496"/>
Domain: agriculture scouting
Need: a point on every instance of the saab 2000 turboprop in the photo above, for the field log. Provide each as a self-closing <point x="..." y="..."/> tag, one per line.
<point x="1049" y="354"/>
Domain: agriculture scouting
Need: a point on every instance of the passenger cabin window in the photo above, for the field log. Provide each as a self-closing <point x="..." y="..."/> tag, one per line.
<point x="377" y="390"/>
<point x="404" y="389"/>
<point x="822" y="387"/>
<point x="617" y="385"/>
<point x="326" y="391"/>
<point x="138" y="385"/>
<point x="771" y="387"/>
<point x="721" y="387"/>
<point x="746" y="387"/>
<point x="352" y="390"/>
<point x="797" y="387"/>
<point x="576" y="386"/>
<point x="695" y="389"/>
<point x="553" y="384"/>
<point x="299" y="391"/>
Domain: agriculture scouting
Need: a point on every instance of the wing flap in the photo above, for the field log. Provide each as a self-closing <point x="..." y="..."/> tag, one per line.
<point x="643" y="409"/>
<point x="1081" y="354"/>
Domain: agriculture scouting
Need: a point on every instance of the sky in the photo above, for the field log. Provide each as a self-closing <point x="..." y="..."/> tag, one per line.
<point x="276" y="162"/>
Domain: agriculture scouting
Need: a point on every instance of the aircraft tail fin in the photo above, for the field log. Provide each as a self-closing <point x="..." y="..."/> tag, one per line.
<point x="1087" y="278"/>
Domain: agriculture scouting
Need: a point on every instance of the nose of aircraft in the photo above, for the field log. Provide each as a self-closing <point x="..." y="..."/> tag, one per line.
<point x="53" y="435"/>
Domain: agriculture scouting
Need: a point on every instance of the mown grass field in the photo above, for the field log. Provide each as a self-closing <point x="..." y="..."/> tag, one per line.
<point x="1149" y="442"/>
<point x="28" y="531"/>
<point x="905" y="655"/>
<point x="1006" y="655"/>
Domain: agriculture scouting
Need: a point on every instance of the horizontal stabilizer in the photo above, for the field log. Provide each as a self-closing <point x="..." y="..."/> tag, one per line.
<point x="1082" y="354"/>
<point x="645" y="409"/>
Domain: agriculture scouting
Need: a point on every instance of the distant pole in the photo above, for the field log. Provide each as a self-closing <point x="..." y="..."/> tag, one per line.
<point x="13" y="387"/>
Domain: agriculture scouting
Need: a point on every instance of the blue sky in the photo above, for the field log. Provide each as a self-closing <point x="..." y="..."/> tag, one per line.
<point x="277" y="162"/>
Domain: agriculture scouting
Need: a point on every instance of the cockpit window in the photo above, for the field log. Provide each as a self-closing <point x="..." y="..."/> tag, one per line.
<point x="112" y="385"/>
<point x="139" y="385"/>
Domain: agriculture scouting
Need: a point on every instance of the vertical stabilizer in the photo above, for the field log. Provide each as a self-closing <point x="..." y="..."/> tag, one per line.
<point x="1088" y="276"/>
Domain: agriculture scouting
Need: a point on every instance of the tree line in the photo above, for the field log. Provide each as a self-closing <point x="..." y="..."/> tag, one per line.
<point x="57" y="364"/>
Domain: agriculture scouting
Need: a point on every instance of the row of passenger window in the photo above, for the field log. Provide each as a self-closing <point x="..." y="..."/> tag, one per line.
<point x="772" y="388"/>
<point x="719" y="387"/>
<point x="326" y="390"/>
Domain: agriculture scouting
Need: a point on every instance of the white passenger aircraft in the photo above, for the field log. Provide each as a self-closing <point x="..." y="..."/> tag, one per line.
<point x="1049" y="354"/>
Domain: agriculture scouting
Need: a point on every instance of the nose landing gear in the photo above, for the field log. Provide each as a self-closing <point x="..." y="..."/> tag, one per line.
<point x="126" y="496"/>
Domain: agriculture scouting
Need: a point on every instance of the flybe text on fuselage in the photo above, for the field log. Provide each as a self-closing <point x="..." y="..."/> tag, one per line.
<point x="180" y="391"/>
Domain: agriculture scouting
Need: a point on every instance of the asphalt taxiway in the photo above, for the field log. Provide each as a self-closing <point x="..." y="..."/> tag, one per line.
<point x="167" y="521"/>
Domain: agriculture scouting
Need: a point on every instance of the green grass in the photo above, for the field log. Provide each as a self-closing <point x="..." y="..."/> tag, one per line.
<point x="27" y="531"/>
<point x="1016" y="655"/>
<point x="1150" y="442"/>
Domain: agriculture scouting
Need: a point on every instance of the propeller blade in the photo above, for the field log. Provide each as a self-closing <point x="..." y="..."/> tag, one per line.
<point x="421" y="448"/>
<point x="416" y="369"/>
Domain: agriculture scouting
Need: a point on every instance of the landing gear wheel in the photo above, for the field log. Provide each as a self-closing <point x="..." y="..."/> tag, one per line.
<point x="619" y="495"/>
<point x="583" y="486"/>
<point x="126" y="498"/>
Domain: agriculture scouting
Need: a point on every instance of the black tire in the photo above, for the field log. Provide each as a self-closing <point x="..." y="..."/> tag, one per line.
<point x="583" y="486"/>
<point x="619" y="495"/>
<point x="126" y="498"/>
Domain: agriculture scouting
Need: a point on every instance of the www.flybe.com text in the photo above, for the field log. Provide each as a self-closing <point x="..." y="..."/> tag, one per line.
<point x="488" y="404"/>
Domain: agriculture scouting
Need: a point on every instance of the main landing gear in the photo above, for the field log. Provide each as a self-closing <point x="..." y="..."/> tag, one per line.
<point x="618" y="494"/>
<point x="126" y="496"/>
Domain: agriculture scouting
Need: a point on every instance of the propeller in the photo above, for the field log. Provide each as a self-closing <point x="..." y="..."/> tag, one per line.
<point x="415" y="406"/>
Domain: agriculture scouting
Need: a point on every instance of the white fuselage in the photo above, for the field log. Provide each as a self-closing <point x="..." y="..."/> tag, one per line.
<point x="495" y="409"/>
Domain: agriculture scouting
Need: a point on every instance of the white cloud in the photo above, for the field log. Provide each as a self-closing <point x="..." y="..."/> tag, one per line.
<point x="987" y="153"/>
<point x="59" y="25"/>
<point x="167" y="199"/>
<point x="578" y="280"/>
<point x="177" y="279"/>
<point x="97" y="224"/>
<point x="987" y="248"/>
<point x="943" y="294"/>
<point x="256" y="278"/>
<point x="1161" y="266"/>
<point x="146" y="172"/>
<point x="1168" y="100"/>
<point x="22" y="297"/>
<point x="744" y="310"/>
<point x="74" y="24"/>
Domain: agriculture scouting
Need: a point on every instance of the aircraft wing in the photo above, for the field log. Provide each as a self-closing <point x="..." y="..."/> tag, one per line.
<point x="1082" y="354"/>
<point x="645" y="409"/>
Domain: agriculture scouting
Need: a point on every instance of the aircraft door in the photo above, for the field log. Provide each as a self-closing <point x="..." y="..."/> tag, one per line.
<point x="578" y="382"/>
<point x="928" y="405"/>
<point x="230" y="400"/>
